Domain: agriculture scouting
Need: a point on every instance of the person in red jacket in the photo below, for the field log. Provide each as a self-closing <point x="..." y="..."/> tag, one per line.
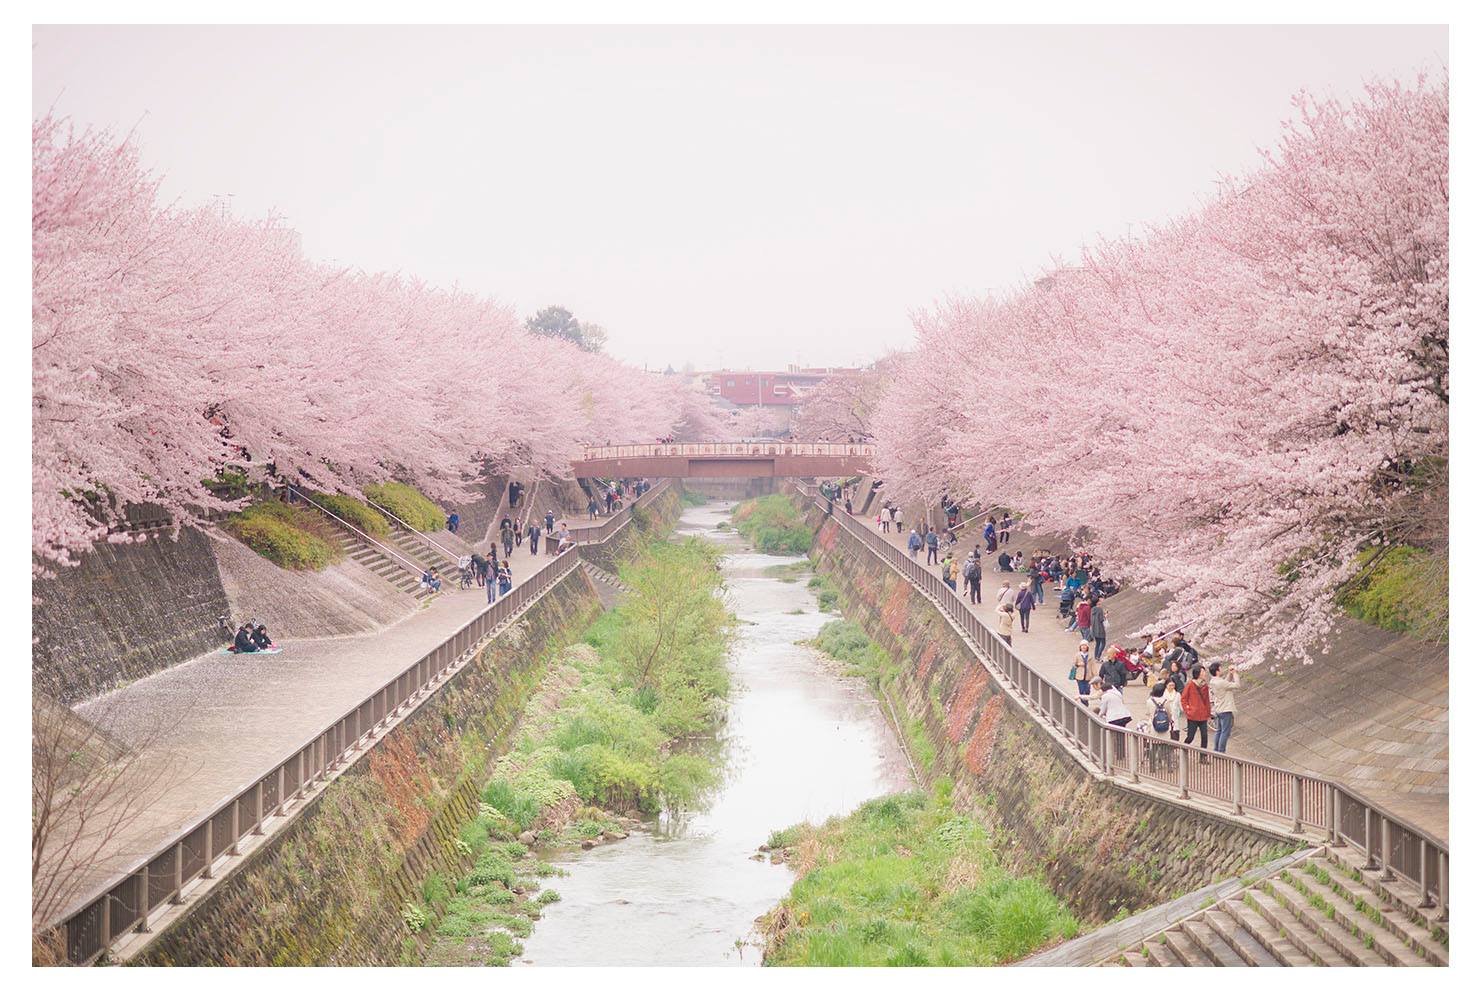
<point x="1197" y="704"/>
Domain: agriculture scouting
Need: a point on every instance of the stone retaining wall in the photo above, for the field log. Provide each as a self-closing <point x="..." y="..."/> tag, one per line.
<point x="1102" y="848"/>
<point x="127" y="610"/>
<point x="328" y="888"/>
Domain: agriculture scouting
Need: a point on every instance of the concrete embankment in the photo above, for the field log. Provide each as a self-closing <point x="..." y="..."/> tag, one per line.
<point x="330" y="884"/>
<point x="1102" y="848"/>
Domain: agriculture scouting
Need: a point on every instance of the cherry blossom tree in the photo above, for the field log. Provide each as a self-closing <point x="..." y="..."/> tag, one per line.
<point x="168" y="343"/>
<point x="841" y="407"/>
<point x="1231" y="406"/>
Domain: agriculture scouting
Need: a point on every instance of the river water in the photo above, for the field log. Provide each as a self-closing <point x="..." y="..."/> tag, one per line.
<point x="800" y="743"/>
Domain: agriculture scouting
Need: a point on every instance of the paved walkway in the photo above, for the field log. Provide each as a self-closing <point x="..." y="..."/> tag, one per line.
<point x="214" y="724"/>
<point x="1386" y="739"/>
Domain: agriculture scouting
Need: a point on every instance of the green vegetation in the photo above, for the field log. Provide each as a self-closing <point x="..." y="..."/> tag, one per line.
<point x="230" y="483"/>
<point x="904" y="880"/>
<point x="845" y="641"/>
<point x="691" y="497"/>
<point x="827" y="593"/>
<point x="1405" y="590"/>
<point x="788" y="572"/>
<point x="614" y="729"/>
<point x="357" y="514"/>
<point x="773" y="525"/>
<point x="290" y="537"/>
<point x="408" y="504"/>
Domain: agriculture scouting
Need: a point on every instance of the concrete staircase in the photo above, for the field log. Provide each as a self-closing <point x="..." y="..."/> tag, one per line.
<point x="1323" y="911"/>
<point x="379" y="561"/>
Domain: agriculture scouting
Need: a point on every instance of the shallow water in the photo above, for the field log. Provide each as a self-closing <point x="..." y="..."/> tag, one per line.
<point x="800" y="743"/>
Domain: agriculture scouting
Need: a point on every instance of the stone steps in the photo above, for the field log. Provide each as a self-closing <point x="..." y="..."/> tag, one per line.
<point x="1319" y="911"/>
<point x="377" y="560"/>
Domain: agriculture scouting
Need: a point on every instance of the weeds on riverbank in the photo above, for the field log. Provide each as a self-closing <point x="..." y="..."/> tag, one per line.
<point x="606" y="736"/>
<point x="905" y="880"/>
<point x="289" y="536"/>
<point x="407" y="504"/>
<point x="773" y="525"/>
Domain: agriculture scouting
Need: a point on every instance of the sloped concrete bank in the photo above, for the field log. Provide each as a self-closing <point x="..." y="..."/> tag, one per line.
<point x="329" y="886"/>
<point x="1103" y="849"/>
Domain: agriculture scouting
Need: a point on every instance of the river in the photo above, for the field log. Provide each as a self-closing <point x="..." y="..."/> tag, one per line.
<point x="800" y="743"/>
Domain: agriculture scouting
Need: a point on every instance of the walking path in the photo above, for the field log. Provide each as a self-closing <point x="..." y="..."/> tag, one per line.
<point x="1387" y="739"/>
<point x="211" y="726"/>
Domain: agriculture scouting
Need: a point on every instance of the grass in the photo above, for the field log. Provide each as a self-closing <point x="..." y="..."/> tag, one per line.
<point x="904" y="880"/>
<point x="647" y="681"/>
<point x="846" y="641"/>
<point x="1406" y="591"/>
<point x="773" y="525"/>
<point x="408" y="504"/>
<point x="789" y="572"/>
<point x="290" y="537"/>
<point x="357" y="514"/>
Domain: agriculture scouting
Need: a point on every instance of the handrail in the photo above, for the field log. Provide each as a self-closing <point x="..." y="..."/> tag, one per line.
<point x="120" y="907"/>
<point x="415" y="532"/>
<point x="1392" y="845"/>
<point x="390" y="552"/>
<point x="729" y="449"/>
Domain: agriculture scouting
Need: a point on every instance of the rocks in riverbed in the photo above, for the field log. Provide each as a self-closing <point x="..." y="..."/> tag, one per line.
<point x="587" y="844"/>
<point x="527" y="838"/>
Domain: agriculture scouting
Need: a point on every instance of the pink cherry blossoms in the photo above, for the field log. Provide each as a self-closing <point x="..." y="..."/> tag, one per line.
<point x="1234" y="405"/>
<point x="168" y="342"/>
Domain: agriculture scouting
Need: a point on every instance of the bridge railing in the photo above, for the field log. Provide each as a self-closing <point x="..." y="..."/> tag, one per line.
<point x="1243" y="787"/>
<point x="727" y="449"/>
<point x="216" y="835"/>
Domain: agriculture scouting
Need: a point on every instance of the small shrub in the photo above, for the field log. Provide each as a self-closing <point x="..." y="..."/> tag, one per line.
<point x="414" y="916"/>
<point x="408" y="504"/>
<point x="435" y="891"/>
<point x="289" y="537"/>
<point x="357" y="514"/>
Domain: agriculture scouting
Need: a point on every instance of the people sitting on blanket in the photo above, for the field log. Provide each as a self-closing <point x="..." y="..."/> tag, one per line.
<point x="244" y="643"/>
<point x="251" y="637"/>
<point x="431" y="581"/>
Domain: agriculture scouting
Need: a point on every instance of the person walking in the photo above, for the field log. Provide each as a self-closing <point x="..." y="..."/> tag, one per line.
<point x="932" y="547"/>
<point x="1004" y="623"/>
<point x="534" y="539"/>
<point x="518" y="533"/>
<point x="914" y="544"/>
<point x="948" y="571"/>
<point x="507" y="535"/>
<point x="505" y="579"/>
<point x="1097" y="624"/>
<point x="1197" y="705"/>
<point x="1079" y="672"/>
<point x="898" y="519"/>
<point x="1221" y="685"/>
<point x="1082" y="618"/>
<point x="1025" y="604"/>
<point x="549" y="522"/>
<point x="989" y="533"/>
<point x="974" y="581"/>
<point x="491" y="582"/>
<point x="1160" y="712"/>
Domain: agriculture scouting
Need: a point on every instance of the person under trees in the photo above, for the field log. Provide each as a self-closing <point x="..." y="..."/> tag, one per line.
<point x="1270" y="414"/>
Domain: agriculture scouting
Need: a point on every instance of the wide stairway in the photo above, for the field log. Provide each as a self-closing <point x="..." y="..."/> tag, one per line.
<point x="378" y="560"/>
<point x="1323" y="910"/>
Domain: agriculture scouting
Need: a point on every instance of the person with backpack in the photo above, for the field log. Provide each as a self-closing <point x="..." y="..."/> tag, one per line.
<point x="974" y="581"/>
<point x="948" y="571"/>
<point x="1163" y="721"/>
<point x="1197" y="705"/>
<point x="914" y="544"/>
<point x="932" y="547"/>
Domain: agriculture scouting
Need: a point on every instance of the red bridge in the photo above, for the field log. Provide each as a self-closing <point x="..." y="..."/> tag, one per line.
<point x="727" y="459"/>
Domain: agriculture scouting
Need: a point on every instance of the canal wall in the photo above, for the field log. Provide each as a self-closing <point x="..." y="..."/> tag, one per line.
<point x="651" y="521"/>
<point x="329" y="886"/>
<point x="1102" y="848"/>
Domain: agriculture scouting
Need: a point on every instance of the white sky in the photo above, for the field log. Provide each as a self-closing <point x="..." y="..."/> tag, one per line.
<point x="722" y="196"/>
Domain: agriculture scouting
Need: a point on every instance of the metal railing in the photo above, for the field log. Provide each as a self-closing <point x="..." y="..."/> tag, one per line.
<point x="415" y="532"/>
<point x="1240" y="786"/>
<point x="729" y="449"/>
<point x="587" y="535"/>
<point x="198" y="848"/>
<point x="291" y="494"/>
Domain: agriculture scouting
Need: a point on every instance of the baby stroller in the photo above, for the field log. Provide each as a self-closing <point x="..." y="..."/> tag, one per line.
<point x="1066" y="605"/>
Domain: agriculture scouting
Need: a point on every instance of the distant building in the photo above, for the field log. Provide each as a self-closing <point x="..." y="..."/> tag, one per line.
<point x="770" y="388"/>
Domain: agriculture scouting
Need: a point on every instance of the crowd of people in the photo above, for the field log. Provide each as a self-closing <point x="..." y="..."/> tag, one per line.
<point x="1184" y="697"/>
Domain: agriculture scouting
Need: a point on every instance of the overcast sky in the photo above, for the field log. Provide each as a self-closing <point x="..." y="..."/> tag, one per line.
<point x="722" y="196"/>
